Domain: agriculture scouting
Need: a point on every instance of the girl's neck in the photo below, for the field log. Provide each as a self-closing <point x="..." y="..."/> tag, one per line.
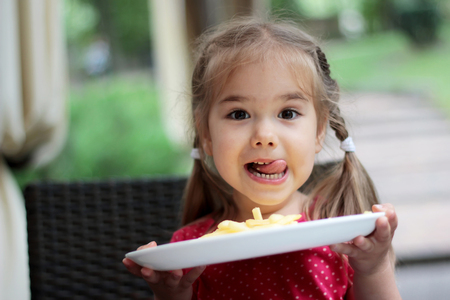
<point x="288" y="207"/>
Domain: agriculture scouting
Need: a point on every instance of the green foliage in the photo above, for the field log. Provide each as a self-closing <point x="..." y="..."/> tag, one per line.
<point x="115" y="131"/>
<point x="386" y="62"/>
<point x="319" y="9"/>
<point x="419" y="19"/>
<point x="286" y="9"/>
<point x="123" y="24"/>
<point x="378" y="14"/>
<point x="126" y="23"/>
<point x="80" y="21"/>
<point x="131" y="24"/>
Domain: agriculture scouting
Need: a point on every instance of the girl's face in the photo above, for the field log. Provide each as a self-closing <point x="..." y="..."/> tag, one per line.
<point x="263" y="136"/>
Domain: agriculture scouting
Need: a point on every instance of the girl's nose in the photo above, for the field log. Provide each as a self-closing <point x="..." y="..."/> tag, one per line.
<point x="264" y="136"/>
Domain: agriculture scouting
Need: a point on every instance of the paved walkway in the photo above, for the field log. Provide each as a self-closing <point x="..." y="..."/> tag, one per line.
<point x="424" y="281"/>
<point x="404" y="143"/>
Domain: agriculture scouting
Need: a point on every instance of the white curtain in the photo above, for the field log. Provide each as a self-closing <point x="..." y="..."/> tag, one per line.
<point x="33" y="119"/>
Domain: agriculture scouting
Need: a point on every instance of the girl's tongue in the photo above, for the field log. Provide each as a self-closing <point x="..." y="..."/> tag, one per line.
<point x="275" y="167"/>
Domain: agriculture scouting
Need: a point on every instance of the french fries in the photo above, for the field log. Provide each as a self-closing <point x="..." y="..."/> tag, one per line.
<point x="275" y="220"/>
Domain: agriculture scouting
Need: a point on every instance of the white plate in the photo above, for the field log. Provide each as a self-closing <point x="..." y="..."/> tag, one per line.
<point x="249" y="244"/>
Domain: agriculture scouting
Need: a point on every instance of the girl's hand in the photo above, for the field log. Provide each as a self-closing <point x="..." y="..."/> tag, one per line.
<point x="371" y="254"/>
<point x="165" y="284"/>
<point x="372" y="259"/>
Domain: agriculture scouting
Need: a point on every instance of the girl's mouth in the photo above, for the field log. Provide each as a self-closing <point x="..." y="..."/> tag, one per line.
<point x="268" y="170"/>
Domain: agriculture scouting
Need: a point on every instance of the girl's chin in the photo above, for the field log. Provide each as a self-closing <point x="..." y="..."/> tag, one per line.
<point x="268" y="202"/>
<point x="267" y="197"/>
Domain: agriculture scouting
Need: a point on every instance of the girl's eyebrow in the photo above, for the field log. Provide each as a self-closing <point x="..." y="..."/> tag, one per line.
<point x="294" y="96"/>
<point x="285" y="97"/>
<point x="233" y="98"/>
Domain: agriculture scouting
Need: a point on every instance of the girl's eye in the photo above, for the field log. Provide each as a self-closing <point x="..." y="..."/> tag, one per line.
<point x="288" y="114"/>
<point x="239" y="115"/>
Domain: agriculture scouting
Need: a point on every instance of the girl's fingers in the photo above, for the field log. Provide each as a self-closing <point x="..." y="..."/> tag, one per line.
<point x="390" y="215"/>
<point x="136" y="269"/>
<point x="149" y="245"/>
<point x="381" y="235"/>
<point x="149" y="275"/>
<point x="172" y="279"/>
<point x="346" y="249"/>
<point x="382" y="232"/>
<point x="364" y="244"/>
<point x="191" y="276"/>
<point x="132" y="267"/>
<point x="352" y="248"/>
<point x="393" y="221"/>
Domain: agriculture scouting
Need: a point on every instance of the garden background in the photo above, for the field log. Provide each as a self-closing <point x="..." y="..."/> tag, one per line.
<point x="116" y="120"/>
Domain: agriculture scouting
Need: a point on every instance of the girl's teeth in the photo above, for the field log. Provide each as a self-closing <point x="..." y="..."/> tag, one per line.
<point x="268" y="176"/>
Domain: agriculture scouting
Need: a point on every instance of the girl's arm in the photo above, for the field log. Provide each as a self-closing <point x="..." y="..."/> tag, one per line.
<point x="372" y="260"/>
<point x="166" y="285"/>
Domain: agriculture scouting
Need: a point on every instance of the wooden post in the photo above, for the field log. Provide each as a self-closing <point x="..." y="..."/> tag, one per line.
<point x="172" y="65"/>
<point x="176" y="24"/>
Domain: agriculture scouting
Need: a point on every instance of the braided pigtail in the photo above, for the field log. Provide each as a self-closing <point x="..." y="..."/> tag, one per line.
<point x="347" y="188"/>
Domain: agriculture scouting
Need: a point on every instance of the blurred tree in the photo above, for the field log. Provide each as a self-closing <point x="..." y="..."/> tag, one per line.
<point x="287" y="8"/>
<point x="379" y="14"/>
<point x="81" y="19"/>
<point x="202" y="14"/>
<point x="125" y="24"/>
<point x="419" y="19"/>
<point x="318" y="18"/>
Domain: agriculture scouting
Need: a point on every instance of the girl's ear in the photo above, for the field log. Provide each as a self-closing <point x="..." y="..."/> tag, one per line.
<point x="320" y="138"/>
<point x="207" y="147"/>
<point x="207" y="144"/>
<point x="204" y="136"/>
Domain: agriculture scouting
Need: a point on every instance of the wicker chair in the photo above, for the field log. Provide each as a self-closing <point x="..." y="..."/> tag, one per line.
<point x="79" y="232"/>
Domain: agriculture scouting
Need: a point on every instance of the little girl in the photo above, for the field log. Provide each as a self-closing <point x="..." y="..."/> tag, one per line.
<point x="262" y="100"/>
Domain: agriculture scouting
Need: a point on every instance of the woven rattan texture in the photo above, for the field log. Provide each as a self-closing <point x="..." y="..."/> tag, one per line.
<point x="78" y="234"/>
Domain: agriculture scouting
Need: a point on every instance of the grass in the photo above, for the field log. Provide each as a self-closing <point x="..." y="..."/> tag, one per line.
<point x="388" y="62"/>
<point x="115" y="131"/>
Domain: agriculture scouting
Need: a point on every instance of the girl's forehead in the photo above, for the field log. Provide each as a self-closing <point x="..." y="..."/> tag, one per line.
<point x="280" y="70"/>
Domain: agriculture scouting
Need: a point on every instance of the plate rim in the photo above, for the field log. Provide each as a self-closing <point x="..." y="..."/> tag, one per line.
<point x="235" y="237"/>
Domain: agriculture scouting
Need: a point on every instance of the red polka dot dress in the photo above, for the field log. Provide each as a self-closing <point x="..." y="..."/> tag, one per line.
<point x="316" y="273"/>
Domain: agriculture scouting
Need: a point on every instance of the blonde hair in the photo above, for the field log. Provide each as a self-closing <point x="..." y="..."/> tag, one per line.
<point x="346" y="189"/>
